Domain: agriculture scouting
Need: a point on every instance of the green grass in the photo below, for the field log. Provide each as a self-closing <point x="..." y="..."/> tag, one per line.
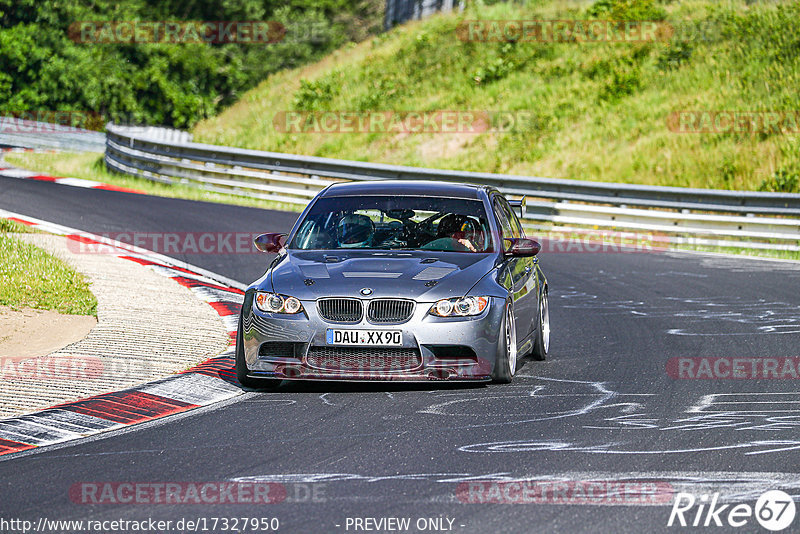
<point x="598" y="110"/>
<point x="30" y="277"/>
<point x="7" y="226"/>
<point x="755" y="253"/>
<point x="90" y="166"/>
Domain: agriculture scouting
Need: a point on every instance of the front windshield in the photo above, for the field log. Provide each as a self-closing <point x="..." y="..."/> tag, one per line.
<point x="395" y="223"/>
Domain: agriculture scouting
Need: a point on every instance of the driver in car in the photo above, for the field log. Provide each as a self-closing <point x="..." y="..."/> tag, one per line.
<point x="460" y="228"/>
<point x="355" y="231"/>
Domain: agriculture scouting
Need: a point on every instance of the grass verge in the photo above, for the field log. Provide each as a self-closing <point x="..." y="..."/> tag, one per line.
<point x="755" y="253"/>
<point x="7" y="226"/>
<point x="31" y="277"/>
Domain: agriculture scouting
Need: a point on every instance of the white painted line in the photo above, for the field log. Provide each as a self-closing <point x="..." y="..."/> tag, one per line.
<point x="68" y="420"/>
<point x="196" y="389"/>
<point x="231" y="322"/>
<point x="78" y="182"/>
<point x="210" y="294"/>
<point x="27" y="432"/>
<point x="18" y="173"/>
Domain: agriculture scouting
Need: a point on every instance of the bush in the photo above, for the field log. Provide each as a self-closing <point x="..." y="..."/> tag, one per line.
<point x="498" y="67"/>
<point x="627" y="10"/>
<point x="313" y="95"/>
<point x="782" y="181"/>
<point x="177" y="85"/>
<point x="675" y="56"/>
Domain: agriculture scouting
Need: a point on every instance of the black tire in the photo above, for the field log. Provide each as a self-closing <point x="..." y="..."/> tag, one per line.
<point x="241" y="367"/>
<point x="542" y="344"/>
<point x="505" y="364"/>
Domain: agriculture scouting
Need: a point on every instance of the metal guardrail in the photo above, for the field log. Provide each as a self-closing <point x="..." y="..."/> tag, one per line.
<point x="158" y="133"/>
<point x="22" y="133"/>
<point x="770" y="219"/>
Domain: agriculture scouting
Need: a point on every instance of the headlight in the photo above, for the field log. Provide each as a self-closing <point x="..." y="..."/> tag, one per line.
<point x="460" y="307"/>
<point x="274" y="303"/>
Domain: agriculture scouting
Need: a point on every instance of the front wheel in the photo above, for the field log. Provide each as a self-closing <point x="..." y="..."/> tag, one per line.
<point x="505" y="364"/>
<point x="242" y="370"/>
<point x="542" y="345"/>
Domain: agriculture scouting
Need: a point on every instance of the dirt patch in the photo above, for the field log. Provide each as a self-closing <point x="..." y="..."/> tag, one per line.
<point x="28" y="333"/>
<point x="444" y="145"/>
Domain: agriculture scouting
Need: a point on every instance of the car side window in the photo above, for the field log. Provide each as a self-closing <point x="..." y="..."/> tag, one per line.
<point x="509" y="223"/>
<point x="502" y="218"/>
<point x="516" y="226"/>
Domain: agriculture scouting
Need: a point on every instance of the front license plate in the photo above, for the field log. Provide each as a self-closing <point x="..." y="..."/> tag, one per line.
<point x="365" y="338"/>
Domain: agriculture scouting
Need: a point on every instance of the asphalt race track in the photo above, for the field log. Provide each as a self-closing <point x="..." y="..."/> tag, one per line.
<point x="603" y="408"/>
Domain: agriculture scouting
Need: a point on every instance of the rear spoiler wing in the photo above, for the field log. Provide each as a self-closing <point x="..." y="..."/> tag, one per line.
<point x="520" y="204"/>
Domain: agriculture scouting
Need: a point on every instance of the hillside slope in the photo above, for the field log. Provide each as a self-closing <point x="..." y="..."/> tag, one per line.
<point x="595" y="110"/>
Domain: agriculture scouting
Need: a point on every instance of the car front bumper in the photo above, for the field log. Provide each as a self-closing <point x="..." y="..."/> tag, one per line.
<point x="294" y="347"/>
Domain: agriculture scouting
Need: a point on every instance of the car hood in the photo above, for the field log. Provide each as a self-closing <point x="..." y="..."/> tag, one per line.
<point x="420" y="275"/>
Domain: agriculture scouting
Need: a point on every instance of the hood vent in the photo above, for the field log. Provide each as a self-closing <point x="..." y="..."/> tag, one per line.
<point x="433" y="273"/>
<point x="370" y="274"/>
<point x="315" y="271"/>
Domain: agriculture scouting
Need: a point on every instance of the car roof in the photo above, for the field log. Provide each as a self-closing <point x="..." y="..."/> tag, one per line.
<point x="406" y="188"/>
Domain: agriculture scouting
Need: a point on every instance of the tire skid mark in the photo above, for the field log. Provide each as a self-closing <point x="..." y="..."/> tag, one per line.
<point x="733" y="486"/>
<point x="699" y="316"/>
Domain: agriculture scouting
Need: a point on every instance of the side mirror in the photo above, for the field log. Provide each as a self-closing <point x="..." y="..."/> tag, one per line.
<point x="522" y="246"/>
<point x="270" y="242"/>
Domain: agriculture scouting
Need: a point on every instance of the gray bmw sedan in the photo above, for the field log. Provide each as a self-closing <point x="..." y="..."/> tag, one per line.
<point x="396" y="280"/>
